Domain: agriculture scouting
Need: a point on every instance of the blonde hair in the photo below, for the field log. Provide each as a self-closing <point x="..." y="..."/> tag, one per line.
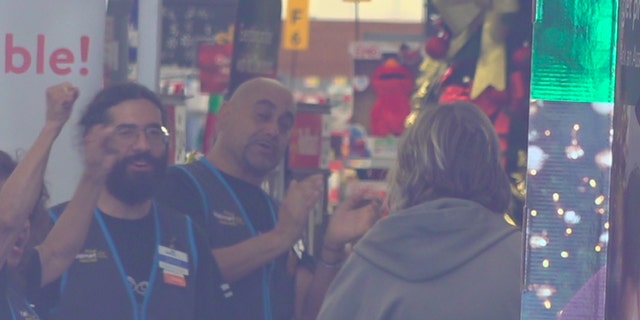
<point x="452" y="150"/>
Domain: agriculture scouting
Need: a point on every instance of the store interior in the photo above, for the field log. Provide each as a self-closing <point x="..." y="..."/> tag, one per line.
<point x="358" y="83"/>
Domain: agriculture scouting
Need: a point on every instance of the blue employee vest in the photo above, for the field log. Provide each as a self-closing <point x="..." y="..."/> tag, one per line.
<point x="96" y="287"/>
<point x="268" y="291"/>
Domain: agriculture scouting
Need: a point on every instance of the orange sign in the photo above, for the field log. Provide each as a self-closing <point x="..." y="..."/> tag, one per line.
<point x="296" y="26"/>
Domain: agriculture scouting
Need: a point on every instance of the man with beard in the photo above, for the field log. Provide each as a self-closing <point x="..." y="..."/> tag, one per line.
<point x="140" y="260"/>
<point x="22" y="194"/>
<point x="251" y="237"/>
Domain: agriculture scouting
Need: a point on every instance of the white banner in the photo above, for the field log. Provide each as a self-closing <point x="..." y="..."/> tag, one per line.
<point x="43" y="42"/>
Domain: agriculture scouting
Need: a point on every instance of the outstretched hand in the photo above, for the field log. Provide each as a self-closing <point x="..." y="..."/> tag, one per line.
<point x="60" y="100"/>
<point x="296" y="205"/>
<point x="352" y="219"/>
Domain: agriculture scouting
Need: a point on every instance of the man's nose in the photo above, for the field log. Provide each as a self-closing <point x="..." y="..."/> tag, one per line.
<point x="273" y="128"/>
<point x="141" y="143"/>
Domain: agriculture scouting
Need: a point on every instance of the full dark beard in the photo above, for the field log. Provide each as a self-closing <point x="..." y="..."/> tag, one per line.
<point x="137" y="187"/>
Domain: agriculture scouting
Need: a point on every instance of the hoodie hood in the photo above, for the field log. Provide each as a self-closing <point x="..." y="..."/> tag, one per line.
<point x="428" y="240"/>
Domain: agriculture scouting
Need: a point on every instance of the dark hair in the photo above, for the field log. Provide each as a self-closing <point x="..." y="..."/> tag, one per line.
<point x="452" y="150"/>
<point x="7" y="165"/>
<point x="38" y="218"/>
<point x="96" y="111"/>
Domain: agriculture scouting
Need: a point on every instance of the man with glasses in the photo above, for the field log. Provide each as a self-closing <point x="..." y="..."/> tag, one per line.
<point x="140" y="260"/>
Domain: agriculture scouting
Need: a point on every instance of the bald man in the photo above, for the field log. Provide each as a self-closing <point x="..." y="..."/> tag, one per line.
<point x="251" y="236"/>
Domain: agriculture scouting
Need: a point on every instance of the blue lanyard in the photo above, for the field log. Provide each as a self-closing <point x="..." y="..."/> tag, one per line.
<point x="13" y="313"/>
<point x="137" y="313"/>
<point x="266" y="271"/>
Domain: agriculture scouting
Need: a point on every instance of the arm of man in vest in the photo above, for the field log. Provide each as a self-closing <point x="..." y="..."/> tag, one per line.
<point x="58" y="250"/>
<point x="240" y="260"/>
<point x="349" y="222"/>
<point x="23" y="187"/>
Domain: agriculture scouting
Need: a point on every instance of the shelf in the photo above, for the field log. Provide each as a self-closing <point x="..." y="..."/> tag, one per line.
<point x="369" y="163"/>
<point x="174" y="99"/>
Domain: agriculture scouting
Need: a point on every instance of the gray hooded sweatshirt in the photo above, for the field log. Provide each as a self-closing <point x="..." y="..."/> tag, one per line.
<point x="444" y="259"/>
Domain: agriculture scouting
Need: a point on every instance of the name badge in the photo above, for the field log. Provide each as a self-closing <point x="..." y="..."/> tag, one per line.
<point x="173" y="261"/>
<point x="174" y="279"/>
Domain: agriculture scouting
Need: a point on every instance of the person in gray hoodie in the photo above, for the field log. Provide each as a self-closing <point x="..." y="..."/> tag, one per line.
<point x="445" y="251"/>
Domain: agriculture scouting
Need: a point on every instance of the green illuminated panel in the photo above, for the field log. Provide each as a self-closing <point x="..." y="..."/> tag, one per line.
<point x="574" y="50"/>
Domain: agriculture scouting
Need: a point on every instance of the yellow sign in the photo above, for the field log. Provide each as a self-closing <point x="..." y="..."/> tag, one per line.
<point x="356" y="0"/>
<point x="296" y="26"/>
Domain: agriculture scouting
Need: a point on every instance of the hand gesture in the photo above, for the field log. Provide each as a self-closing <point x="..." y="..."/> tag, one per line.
<point x="100" y="153"/>
<point x="298" y="202"/>
<point x="60" y="100"/>
<point x="352" y="219"/>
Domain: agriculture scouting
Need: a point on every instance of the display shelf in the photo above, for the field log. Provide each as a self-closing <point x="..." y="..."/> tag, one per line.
<point x="369" y="163"/>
